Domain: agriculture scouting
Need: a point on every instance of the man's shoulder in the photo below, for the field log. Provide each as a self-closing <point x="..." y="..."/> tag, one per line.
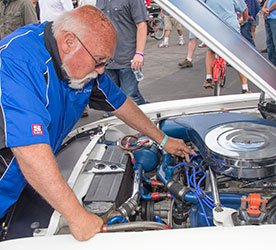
<point x="25" y="42"/>
<point x="21" y="2"/>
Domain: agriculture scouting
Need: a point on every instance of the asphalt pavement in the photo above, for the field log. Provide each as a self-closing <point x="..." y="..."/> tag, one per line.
<point x="164" y="80"/>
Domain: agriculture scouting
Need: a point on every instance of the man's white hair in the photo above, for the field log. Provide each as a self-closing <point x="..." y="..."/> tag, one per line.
<point x="67" y="21"/>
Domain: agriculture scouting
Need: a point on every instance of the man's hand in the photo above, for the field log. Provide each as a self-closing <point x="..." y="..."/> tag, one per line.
<point x="40" y="169"/>
<point x="85" y="226"/>
<point x="265" y="12"/>
<point x="178" y="147"/>
<point x="137" y="62"/>
<point x="240" y="20"/>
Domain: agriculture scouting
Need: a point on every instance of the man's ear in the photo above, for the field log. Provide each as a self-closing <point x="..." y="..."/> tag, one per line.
<point x="69" y="43"/>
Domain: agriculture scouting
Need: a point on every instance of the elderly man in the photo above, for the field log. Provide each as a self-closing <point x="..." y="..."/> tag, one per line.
<point x="55" y="70"/>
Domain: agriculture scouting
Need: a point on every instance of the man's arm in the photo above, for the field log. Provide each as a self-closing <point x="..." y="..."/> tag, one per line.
<point x="161" y="14"/>
<point x="137" y="61"/>
<point x="243" y="17"/>
<point x="135" y="118"/>
<point x="40" y="169"/>
<point x="245" y="14"/>
<point x="272" y="7"/>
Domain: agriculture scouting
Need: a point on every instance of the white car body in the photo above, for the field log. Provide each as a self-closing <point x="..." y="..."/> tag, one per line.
<point x="55" y="236"/>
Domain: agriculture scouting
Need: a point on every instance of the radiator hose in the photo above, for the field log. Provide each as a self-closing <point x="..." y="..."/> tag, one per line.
<point x="133" y="226"/>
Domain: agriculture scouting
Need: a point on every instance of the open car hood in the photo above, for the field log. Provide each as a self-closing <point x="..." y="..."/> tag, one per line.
<point x="225" y="41"/>
<point x="86" y="148"/>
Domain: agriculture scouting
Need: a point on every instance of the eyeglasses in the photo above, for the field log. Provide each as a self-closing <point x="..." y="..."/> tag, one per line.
<point x="97" y="64"/>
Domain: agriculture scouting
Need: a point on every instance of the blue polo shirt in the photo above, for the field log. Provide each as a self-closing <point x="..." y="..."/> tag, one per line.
<point x="272" y="14"/>
<point x="37" y="105"/>
<point x="226" y="10"/>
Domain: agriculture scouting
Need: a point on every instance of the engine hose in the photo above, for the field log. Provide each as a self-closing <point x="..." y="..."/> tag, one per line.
<point x="127" y="208"/>
<point x="154" y="196"/>
<point x="271" y="217"/>
<point x="161" y="170"/>
<point x="136" y="225"/>
<point x="120" y="219"/>
<point x="271" y="208"/>
<point x="272" y="202"/>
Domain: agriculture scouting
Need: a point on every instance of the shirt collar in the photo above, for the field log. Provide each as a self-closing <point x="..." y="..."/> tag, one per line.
<point x="51" y="46"/>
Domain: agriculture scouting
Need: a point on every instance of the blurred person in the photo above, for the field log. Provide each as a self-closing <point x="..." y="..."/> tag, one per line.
<point x="129" y="18"/>
<point x="246" y="27"/>
<point x="59" y="69"/>
<point x="51" y="9"/>
<point x="269" y="13"/>
<point x="15" y="14"/>
<point x="75" y="3"/>
<point x="169" y="22"/>
<point x="87" y="2"/>
<point x="264" y="50"/>
<point x="187" y="63"/>
<point x="36" y="6"/>
<point x="256" y="22"/>
<point x="147" y="2"/>
<point x="34" y="2"/>
<point x="226" y="10"/>
<point x="202" y="45"/>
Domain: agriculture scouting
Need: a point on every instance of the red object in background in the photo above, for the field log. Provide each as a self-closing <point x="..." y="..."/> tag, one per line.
<point x="148" y="2"/>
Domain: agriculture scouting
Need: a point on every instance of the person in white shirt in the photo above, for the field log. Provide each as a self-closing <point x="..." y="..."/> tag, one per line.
<point x="50" y="9"/>
<point x="87" y="2"/>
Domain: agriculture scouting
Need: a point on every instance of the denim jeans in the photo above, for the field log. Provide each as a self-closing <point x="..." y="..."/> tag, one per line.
<point x="247" y="32"/>
<point x="270" y="27"/>
<point x="126" y="80"/>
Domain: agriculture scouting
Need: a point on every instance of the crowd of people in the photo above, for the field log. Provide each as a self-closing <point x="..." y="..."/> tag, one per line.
<point x="83" y="55"/>
<point x="243" y="16"/>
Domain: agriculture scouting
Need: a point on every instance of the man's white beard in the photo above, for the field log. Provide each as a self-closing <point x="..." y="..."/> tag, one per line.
<point x="77" y="83"/>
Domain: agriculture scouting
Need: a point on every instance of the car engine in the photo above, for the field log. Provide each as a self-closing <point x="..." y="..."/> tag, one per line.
<point x="230" y="182"/>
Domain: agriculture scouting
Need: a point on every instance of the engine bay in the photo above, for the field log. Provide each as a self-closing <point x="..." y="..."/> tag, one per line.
<point x="134" y="185"/>
<point x="230" y="182"/>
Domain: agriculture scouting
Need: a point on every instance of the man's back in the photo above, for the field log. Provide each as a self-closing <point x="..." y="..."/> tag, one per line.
<point x="226" y="10"/>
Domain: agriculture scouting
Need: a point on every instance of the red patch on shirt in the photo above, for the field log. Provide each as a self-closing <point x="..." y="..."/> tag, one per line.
<point x="37" y="129"/>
